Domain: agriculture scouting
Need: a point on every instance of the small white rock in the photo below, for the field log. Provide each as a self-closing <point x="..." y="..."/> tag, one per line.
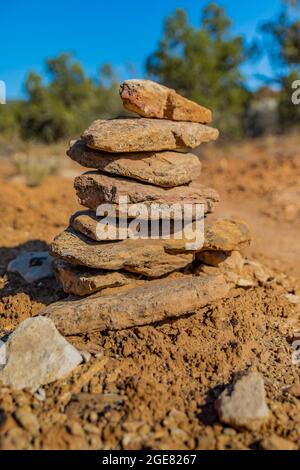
<point x="32" y="265"/>
<point x="86" y="356"/>
<point x="293" y="299"/>
<point x="37" y="354"/>
<point x="245" y="406"/>
<point x="40" y="394"/>
<point x="245" y="282"/>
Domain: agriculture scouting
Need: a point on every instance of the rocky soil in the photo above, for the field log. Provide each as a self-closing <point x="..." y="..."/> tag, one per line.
<point x="160" y="386"/>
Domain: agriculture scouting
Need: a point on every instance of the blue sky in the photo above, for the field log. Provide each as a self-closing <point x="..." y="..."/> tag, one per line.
<point x="116" y="31"/>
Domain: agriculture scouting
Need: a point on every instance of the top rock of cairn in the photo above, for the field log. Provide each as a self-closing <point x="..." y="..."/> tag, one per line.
<point x="151" y="100"/>
<point x="141" y="158"/>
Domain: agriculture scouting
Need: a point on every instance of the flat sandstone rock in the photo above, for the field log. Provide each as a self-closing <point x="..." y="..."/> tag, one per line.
<point x="146" y="135"/>
<point x="150" y="303"/>
<point x="93" y="189"/>
<point x="224" y="235"/>
<point x="166" y="169"/>
<point x="95" y="228"/>
<point x="146" y="257"/>
<point x="152" y="100"/>
<point x="78" y="280"/>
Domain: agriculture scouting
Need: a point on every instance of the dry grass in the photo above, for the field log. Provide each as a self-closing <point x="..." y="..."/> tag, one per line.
<point x="34" y="168"/>
<point x="33" y="161"/>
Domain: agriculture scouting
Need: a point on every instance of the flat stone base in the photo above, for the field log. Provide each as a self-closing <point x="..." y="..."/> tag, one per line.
<point x="152" y="302"/>
<point x="146" y="257"/>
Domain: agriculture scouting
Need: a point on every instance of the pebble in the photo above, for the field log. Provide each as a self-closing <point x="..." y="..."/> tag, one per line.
<point x="245" y="407"/>
<point x="275" y="442"/>
<point x="28" y="421"/>
<point x="32" y="266"/>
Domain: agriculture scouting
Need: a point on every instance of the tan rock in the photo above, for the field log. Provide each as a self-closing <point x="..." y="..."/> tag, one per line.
<point x="146" y="135"/>
<point x="230" y="276"/>
<point x="275" y="442"/>
<point x="79" y="280"/>
<point x="166" y="169"/>
<point x="93" y="189"/>
<point x="149" y="99"/>
<point x="228" y="260"/>
<point x="213" y="258"/>
<point x="226" y="235"/>
<point x="152" y="302"/>
<point x="258" y="272"/>
<point x="87" y="223"/>
<point x="230" y="264"/>
<point x="146" y="257"/>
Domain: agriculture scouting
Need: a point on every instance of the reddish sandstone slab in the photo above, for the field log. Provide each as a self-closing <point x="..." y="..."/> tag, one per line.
<point x="166" y="169"/>
<point x="94" y="188"/>
<point x="146" y="257"/>
<point x="152" y="302"/>
<point x="152" y="100"/>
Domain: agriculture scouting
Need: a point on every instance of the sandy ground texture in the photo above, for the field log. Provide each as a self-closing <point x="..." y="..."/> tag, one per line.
<point x="155" y="386"/>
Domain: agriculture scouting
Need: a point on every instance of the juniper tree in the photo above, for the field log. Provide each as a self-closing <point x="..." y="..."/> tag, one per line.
<point x="204" y="64"/>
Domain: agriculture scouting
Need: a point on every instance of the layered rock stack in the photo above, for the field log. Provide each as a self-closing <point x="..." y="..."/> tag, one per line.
<point x="146" y="161"/>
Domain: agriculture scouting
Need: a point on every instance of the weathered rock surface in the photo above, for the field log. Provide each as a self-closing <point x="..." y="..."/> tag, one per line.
<point x="245" y="405"/>
<point x="152" y="100"/>
<point x="230" y="264"/>
<point x="87" y="223"/>
<point x="152" y="302"/>
<point x="95" y="228"/>
<point x="228" y="260"/>
<point x="243" y="272"/>
<point x="36" y="354"/>
<point x="224" y="235"/>
<point x="213" y="258"/>
<point x="146" y="135"/>
<point x="93" y="189"/>
<point x="32" y="266"/>
<point x="166" y="169"/>
<point x="228" y="235"/>
<point x="146" y="257"/>
<point x="80" y="281"/>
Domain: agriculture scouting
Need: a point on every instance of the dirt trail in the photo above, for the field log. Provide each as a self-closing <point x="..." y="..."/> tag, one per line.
<point x="278" y="243"/>
<point x="260" y="182"/>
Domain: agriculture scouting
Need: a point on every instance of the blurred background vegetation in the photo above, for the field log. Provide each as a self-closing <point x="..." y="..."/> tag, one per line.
<point x="203" y="64"/>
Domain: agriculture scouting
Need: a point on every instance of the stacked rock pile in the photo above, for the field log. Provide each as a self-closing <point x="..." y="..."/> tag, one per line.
<point x="126" y="277"/>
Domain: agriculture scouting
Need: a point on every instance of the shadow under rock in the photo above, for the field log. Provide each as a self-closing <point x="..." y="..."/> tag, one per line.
<point x="208" y="414"/>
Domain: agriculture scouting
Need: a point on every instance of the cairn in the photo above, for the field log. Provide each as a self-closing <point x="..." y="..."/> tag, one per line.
<point x="128" y="280"/>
